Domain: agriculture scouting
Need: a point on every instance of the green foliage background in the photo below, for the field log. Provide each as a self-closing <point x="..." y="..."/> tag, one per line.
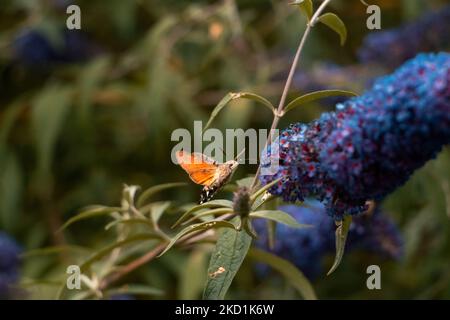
<point x="72" y="134"/>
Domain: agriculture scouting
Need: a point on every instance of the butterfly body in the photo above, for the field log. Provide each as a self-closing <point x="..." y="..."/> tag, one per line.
<point x="207" y="172"/>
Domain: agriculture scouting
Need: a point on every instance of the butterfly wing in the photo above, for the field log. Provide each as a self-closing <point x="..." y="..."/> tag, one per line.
<point x="201" y="169"/>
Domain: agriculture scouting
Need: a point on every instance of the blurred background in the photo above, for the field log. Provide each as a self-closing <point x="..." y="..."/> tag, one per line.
<point x="84" y="111"/>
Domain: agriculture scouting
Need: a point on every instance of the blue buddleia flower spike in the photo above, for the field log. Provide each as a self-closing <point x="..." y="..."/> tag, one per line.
<point x="9" y="264"/>
<point x="371" y="144"/>
<point x="372" y="232"/>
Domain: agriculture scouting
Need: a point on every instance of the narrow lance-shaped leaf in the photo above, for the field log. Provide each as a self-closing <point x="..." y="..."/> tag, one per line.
<point x="312" y="96"/>
<point x="157" y="210"/>
<point x="229" y="253"/>
<point x="212" y="212"/>
<point x="293" y="275"/>
<point x="278" y="216"/>
<point x="335" y="23"/>
<point x="209" y="204"/>
<point x="155" y="189"/>
<point x="93" y="212"/>
<point x="258" y="193"/>
<point x="49" y="112"/>
<point x="341" y="239"/>
<point x="198" y="227"/>
<point x="146" y="222"/>
<point x="105" y="251"/>
<point x="233" y="96"/>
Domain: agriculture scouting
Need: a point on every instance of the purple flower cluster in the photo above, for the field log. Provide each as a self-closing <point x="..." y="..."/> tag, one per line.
<point x="371" y="144"/>
<point x="9" y="264"/>
<point x="375" y="233"/>
<point x="393" y="47"/>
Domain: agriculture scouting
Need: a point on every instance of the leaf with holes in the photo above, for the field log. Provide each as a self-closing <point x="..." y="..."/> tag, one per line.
<point x="229" y="253"/>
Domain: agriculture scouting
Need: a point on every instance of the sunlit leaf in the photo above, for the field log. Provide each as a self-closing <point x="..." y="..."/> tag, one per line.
<point x="231" y="248"/>
<point x="278" y="216"/>
<point x="198" y="227"/>
<point x="341" y="238"/>
<point x="209" y="204"/>
<point x="309" y="97"/>
<point x="233" y="96"/>
<point x="156" y="189"/>
<point x="206" y="213"/>
<point x="306" y="6"/>
<point x="260" y="192"/>
<point x="335" y="23"/>
<point x="293" y="275"/>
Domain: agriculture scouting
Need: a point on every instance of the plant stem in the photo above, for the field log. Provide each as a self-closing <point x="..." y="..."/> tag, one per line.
<point x="279" y="113"/>
<point x="287" y="86"/>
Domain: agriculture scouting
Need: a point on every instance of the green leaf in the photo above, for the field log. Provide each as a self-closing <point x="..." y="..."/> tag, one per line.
<point x="258" y="193"/>
<point x="88" y="82"/>
<point x="155" y="189"/>
<point x="209" y="204"/>
<point x="233" y="96"/>
<point x="198" y="227"/>
<point x="50" y="109"/>
<point x="335" y="23"/>
<point x="93" y="212"/>
<point x="158" y="208"/>
<point x="306" y="6"/>
<point x="293" y="275"/>
<point x="278" y="216"/>
<point x="54" y="250"/>
<point x="129" y="221"/>
<point x="193" y="276"/>
<point x="309" y="97"/>
<point x="136" y="289"/>
<point x="212" y="212"/>
<point x="341" y="238"/>
<point x="245" y="182"/>
<point x="105" y="251"/>
<point x="9" y="118"/>
<point x="229" y="253"/>
<point x="11" y="188"/>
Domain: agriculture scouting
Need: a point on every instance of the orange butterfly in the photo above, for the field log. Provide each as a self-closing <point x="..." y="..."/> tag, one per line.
<point x="206" y="172"/>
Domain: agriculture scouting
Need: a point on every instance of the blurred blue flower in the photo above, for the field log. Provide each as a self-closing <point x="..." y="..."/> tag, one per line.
<point x="393" y="47"/>
<point x="375" y="233"/>
<point x="34" y="49"/>
<point x="371" y="144"/>
<point x="9" y="264"/>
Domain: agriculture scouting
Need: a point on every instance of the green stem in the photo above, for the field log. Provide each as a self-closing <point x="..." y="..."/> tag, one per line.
<point x="287" y="86"/>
